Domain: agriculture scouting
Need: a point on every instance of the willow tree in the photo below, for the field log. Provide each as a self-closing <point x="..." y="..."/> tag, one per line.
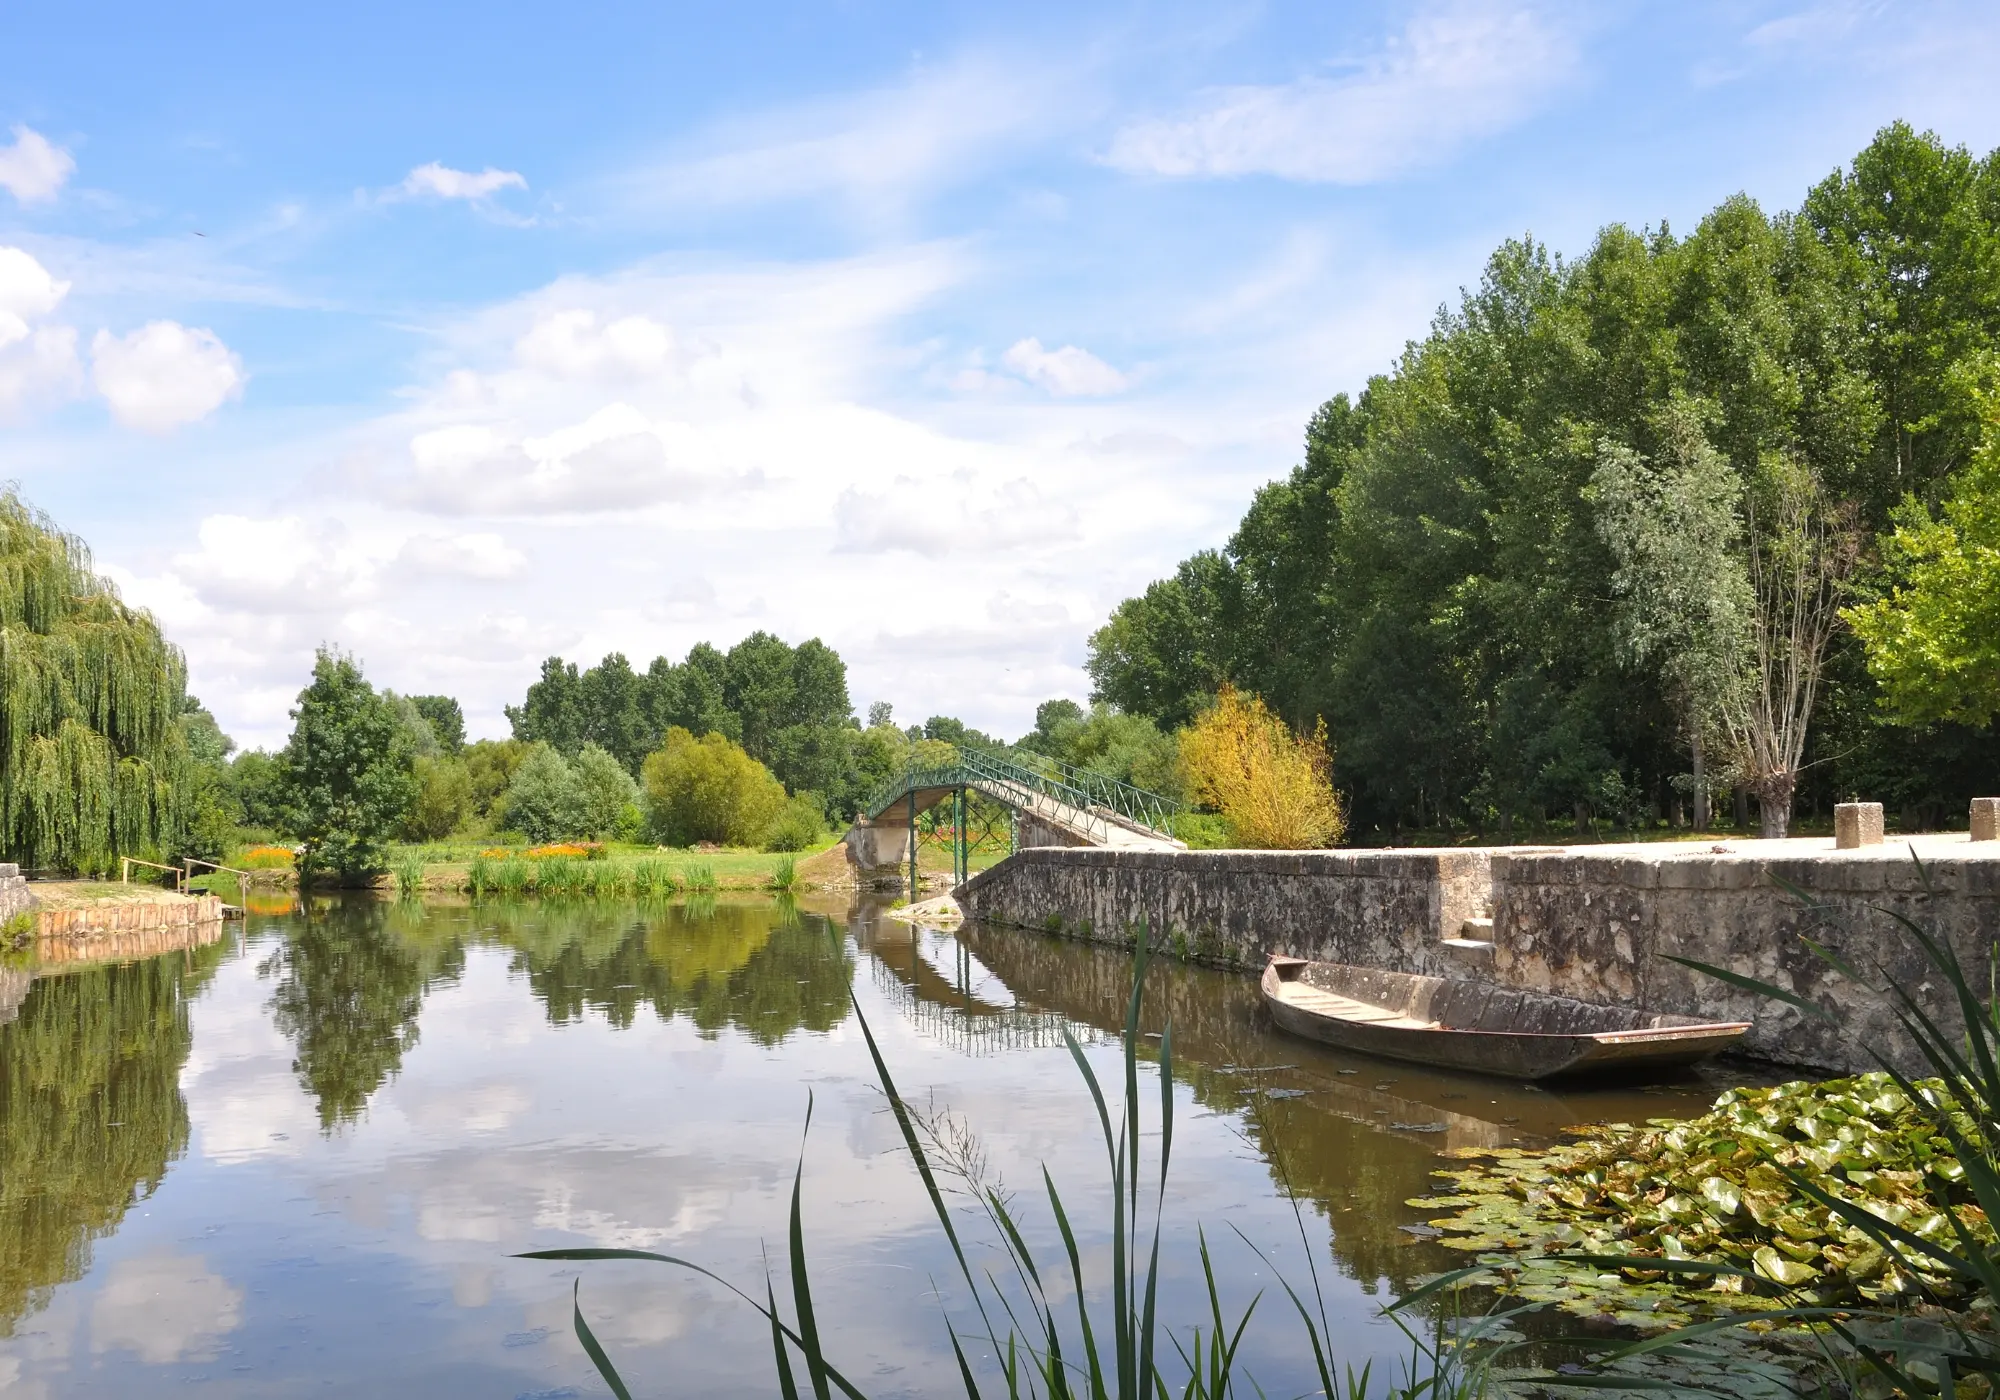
<point x="91" y="751"/>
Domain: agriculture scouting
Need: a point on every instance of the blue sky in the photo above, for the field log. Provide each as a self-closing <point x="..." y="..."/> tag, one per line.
<point x="456" y="336"/>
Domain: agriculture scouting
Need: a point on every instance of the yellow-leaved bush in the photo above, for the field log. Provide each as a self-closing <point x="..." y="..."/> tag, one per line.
<point x="1273" y="788"/>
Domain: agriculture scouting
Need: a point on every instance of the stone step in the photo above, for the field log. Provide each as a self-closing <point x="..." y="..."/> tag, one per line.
<point x="1471" y="952"/>
<point x="1477" y="930"/>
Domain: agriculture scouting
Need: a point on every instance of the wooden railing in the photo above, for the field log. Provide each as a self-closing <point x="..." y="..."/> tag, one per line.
<point x="125" y="864"/>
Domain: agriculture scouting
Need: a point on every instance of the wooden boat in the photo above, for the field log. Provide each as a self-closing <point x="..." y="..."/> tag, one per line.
<point x="1459" y="1023"/>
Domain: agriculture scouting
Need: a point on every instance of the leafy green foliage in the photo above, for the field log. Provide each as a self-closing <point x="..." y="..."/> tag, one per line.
<point x="799" y="825"/>
<point x="544" y="799"/>
<point x="446" y="719"/>
<point x="1506" y="575"/>
<point x="443" y="801"/>
<point x="93" y="751"/>
<point x="709" y="789"/>
<point x="787" y="706"/>
<point x="346" y="770"/>
<point x="1933" y="643"/>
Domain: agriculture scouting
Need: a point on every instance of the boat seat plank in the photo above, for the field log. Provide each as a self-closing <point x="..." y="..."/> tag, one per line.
<point x="1324" y="1003"/>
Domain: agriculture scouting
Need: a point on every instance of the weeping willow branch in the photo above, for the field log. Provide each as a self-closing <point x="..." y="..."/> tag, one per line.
<point x="92" y="755"/>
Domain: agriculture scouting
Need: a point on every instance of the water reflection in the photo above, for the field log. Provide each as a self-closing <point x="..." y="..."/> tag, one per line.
<point x="91" y="1113"/>
<point x="389" y="1099"/>
<point x="350" y="983"/>
<point x="760" y="966"/>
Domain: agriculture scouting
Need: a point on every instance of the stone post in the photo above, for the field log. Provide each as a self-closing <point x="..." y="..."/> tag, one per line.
<point x="1857" y="824"/>
<point x="1986" y="818"/>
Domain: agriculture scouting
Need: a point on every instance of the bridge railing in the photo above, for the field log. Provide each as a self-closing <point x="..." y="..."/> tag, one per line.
<point x="1094" y="795"/>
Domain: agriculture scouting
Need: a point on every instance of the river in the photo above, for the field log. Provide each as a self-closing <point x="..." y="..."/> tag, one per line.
<point x="297" y="1161"/>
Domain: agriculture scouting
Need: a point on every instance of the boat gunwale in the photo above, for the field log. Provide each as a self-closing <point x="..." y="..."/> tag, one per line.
<point x="1270" y="983"/>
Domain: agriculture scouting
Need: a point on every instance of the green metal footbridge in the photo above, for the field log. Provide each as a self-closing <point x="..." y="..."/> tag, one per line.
<point x="1079" y="807"/>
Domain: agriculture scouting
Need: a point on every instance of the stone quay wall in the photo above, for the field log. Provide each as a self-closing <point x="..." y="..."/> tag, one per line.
<point x="1591" y="923"/>
<point x="1389" y="909"/>
<point x="100" y="929"/>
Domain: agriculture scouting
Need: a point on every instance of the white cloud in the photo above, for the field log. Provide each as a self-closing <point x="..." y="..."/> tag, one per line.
<point x="27" y="293"/>
<point x="437" y="181"/>
<point x="572" y="345"/>
<point x="482" y="555"/>
<point x="616" y="459"/>
<point x="164" y="375"/>
<point x="944" y="516"/>
<point x="1451" y="77"/>
<point x="1067" y="373"/>
<point x="36" y="362"/>
<point x="165" y="1307"/>
<point x="32" y="169"/>
<point x="873" y="148"/>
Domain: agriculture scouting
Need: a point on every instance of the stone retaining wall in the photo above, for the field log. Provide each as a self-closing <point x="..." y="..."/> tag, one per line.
<point x="97" y="929"/>
<point x="1595" y="928"/>
<point x="1589" y="923"/>
<point x="1388" y="909"/>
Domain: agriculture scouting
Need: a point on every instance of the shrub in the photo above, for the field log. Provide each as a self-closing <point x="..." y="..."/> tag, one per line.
<point x="604" y="791"/>
<point x="709" y="789"/>
<point x="1272" y="787"/>
<point x="798" y="825"/>
<point x="266" y="858"/>
<point x="545" y="799"/>
<point x="444" y="799"/>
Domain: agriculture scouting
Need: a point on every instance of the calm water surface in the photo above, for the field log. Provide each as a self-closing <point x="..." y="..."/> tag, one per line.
<point x="296" y="1161"/>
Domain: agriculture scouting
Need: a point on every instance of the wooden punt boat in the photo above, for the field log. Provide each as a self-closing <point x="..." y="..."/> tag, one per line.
<point x="1459" y="1023"/>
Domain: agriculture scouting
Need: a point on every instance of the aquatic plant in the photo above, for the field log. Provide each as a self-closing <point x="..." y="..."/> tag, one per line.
<point x="558" y="848"/>
<point x="409" y="871"/>
<point x="558" y="875"/>
<point x="1721" y="1189"/>
<point x="479" y="876"/>
<point x="698" y="877"/>
<point x="651" y="877"/>
<point x="785" y="877"/>
<point x="267" y="858"/>
<point x="512" y="875"/>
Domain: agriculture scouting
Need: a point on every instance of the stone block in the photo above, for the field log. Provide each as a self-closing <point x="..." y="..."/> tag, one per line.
<point x="1986" y="818"/>
<point x="1857" y="824"/>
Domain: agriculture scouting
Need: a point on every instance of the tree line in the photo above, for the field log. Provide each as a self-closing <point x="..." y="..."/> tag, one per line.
<point x="1694" y="514"/>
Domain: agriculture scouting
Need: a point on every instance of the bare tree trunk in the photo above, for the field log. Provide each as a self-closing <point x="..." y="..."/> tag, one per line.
<point x="1700" y="771"/>
<point x="1774" y="804"/>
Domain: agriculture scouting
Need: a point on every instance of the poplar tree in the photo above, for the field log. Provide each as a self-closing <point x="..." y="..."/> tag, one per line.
<point x="92" y="755"/>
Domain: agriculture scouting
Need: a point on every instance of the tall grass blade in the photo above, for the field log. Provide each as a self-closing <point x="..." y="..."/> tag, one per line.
<point x="788" y="1388"/>
<point x="592" y="1349"/>
<point x="802" y="1305"/>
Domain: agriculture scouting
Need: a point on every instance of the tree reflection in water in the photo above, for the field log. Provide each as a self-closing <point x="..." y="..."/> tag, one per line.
<point x="349" y="990"/>
<point x="763" y="967"/>
<point x="91" y="1112"/>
